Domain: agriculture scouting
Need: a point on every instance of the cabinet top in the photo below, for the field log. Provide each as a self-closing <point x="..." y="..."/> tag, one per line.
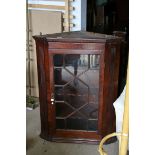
<point x="78" y="36"/>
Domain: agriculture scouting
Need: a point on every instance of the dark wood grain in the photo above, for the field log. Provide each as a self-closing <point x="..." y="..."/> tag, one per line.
<point x="77" y="134"/>
<point x="101" y="103"/>
<point x="110" y="87"/>
<point x="77" y="46"/>
<point x="73" y="51"/>
<point x="40" y="48"/>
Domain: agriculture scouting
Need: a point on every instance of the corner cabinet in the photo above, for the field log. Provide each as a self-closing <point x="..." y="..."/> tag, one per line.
<point x="78" y="83"/>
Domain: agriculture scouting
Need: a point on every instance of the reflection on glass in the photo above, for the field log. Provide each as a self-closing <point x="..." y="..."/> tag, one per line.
<point x="76" y="79"/>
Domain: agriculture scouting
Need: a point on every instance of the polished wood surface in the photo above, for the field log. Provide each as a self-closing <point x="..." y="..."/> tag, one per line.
<point x="78" y="43"/>
<point x="80" y="37"/>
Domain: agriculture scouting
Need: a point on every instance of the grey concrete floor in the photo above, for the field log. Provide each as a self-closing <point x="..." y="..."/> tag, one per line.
<point x="38" y="146"/>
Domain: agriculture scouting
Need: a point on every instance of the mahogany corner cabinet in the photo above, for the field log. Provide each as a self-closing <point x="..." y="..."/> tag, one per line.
<point x="78" y="82"/>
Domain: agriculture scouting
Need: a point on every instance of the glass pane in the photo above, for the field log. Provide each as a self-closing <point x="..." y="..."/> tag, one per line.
<point x="58" y="60"/>
<point x="76" y="81"/>
<point x="62" y="109"/>
<point x="76" y="64"/>
<point x="60" y="123"/>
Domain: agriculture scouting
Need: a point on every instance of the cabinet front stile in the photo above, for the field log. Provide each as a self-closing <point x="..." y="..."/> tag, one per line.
<point x="51" y="110"/>
<point x="101" y="103"/>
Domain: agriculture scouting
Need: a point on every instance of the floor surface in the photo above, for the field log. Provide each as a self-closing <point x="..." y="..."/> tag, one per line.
<point x="38" y="146"/>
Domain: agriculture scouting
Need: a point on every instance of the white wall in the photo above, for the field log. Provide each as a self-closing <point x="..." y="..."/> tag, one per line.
<point x="79" y="12"/>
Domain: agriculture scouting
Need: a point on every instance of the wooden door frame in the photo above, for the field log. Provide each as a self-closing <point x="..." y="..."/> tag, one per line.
<point x="70" y="134"/>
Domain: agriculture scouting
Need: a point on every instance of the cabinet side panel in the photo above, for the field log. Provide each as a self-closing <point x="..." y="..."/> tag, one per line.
<point x="110" y="87"/>
<point x="42" y="87"/>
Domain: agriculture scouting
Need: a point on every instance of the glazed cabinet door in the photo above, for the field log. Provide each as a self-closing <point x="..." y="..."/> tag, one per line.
<point x="75" y="91"/>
